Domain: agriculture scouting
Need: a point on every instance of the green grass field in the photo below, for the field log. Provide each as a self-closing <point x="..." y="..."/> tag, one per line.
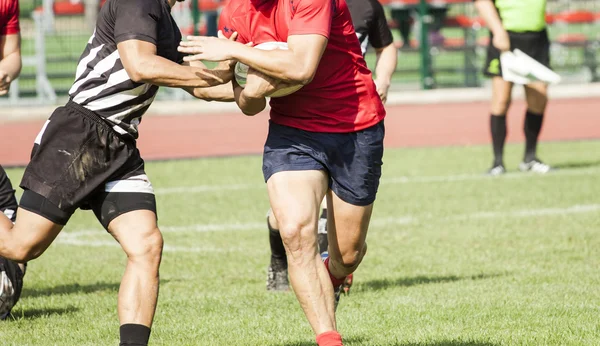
<point x="455" y="258"/>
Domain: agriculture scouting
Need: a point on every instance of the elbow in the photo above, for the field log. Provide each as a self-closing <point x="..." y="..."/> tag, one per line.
<point x="137" y="75"/>
<point x="302" y="76"/>
<point x="250" y="113"/>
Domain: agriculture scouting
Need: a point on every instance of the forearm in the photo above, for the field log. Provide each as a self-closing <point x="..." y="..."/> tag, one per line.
<point x="162" y="72"/>
<point x="488" y="12"/>
<point x="248" y="105"/>
<point x="279" y="64"/>
<point x="386" y="63"/>
<point x="11" y="64"/>
<point x="221" y="93"/>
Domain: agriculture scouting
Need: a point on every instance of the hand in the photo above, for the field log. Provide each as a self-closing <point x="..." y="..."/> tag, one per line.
<point x="4" y="83"/>
<point x="208" y="48"/>
<point x="382" y="90"/>
<point x="501" y="41"/>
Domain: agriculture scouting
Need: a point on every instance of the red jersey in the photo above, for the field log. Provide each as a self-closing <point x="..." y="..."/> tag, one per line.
<point x="342" y="96"/>
<point x="9" y="17"/>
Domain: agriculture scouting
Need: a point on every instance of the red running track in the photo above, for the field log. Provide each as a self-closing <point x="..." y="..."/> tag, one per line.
<point x="203" y="135"/>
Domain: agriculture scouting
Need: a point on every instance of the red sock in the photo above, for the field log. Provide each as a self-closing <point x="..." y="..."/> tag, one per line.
<point x="335" y="281"/>
<point x="331" y="338"/>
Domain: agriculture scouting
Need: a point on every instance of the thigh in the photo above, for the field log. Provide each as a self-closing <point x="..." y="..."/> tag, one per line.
<point x="354" y="163"/>
<point x="137" y="232"/>
<point x="536" y="94"/>
<point x="295" y="196"/>
<point x="129" y="190"/>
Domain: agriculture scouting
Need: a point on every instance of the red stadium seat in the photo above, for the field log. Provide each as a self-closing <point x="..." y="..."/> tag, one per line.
<point x="66" y="8"/>
<point x="574" y="17"/>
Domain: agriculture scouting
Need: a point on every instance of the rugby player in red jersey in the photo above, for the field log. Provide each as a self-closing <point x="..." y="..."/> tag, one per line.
<point x="324" y="139"/>
<point x="11" y="273"/>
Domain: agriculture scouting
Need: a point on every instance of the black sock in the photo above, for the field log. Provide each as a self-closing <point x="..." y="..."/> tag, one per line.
<point x="322" y="237"/>
<point x="134" y="335"/>
<point x="498" y="128"/>
<point x="278" y="256"/>
<point x="532" y="127"/>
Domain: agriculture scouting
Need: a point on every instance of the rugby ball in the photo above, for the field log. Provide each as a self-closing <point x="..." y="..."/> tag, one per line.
<point x="241" y="70"/>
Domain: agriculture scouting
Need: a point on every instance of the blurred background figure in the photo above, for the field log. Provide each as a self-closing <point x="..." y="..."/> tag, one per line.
<point x="404" y="18"/>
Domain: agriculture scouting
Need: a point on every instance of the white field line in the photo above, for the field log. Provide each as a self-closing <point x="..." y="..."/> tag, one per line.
<point x="385" y="181"/>
<point x="74" y="237"/>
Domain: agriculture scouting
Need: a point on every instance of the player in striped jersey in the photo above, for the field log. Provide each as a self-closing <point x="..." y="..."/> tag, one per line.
<point x="86" y="157"/>
<point x="370" y="24"/>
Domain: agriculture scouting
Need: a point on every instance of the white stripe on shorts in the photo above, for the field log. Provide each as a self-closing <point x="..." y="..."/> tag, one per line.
<point x="38" y="139"/>
<point x="139" y="183"/>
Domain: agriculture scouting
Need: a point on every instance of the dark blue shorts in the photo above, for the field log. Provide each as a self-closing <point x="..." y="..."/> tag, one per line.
<point x="352" y="160"/>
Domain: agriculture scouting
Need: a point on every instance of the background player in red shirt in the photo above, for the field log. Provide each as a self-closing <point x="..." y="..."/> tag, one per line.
<point x="325" y="139"/>
<point x="10" y="44"/>
<point x="11" y="273"/>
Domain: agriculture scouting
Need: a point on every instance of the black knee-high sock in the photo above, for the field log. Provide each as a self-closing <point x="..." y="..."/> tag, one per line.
<point x="498" y="129"/>
<point x="278" y="256"/>
<point x="134" y="335"/>
<point x="532" y="127"/>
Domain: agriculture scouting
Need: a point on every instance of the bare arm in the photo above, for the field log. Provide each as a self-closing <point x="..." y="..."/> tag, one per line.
<point x="249" y="104"/>
<point x="222" y="93"/>
<point x="143" y="65"/>
<point x="387" y="58"/>
<point x="10" y="60"/>
<point x="296" y="65"/>
<point x="488" y="12"/>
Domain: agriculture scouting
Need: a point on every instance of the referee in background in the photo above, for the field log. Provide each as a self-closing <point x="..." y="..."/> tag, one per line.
<point x="516" y="25"/>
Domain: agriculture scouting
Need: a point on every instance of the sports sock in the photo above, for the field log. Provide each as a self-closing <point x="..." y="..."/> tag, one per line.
<point x="331" y="338"/>
<point x="322" y="232"/>
<point x="334" y="281"/>
<point x="532" y="128"/>
<point x="134" y="335"/>
<point x="498" y="129"/>
<point x="278" y="256"/>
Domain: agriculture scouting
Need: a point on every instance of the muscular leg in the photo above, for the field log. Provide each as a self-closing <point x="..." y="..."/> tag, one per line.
<point x="142" y="241"/>
<point x="295" y="197"/>
<point x="501" y="97"/>
<point x="537" y="98"/>
<point x="347" y="231"/>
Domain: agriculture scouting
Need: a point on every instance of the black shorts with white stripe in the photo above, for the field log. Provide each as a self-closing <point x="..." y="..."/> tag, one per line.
<point x="79" y="161"/>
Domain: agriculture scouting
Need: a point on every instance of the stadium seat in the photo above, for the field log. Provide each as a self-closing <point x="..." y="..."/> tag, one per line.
<point x="67" y="8"/>
<point x="580" y="38"/>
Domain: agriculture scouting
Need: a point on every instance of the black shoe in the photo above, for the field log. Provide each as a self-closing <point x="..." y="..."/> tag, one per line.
<point x="11" y="283"/>
<point x="277" y="280"/>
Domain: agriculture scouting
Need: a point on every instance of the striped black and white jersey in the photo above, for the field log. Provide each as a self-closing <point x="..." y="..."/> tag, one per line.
<point x="101" y="83"/>
<point x="370" y="24"/>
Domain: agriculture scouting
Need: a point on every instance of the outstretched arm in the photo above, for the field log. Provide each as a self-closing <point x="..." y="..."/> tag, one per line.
<point x="307" y="39"/>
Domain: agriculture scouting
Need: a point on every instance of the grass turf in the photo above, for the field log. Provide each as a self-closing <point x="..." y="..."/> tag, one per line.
<point x="455" y="258"/>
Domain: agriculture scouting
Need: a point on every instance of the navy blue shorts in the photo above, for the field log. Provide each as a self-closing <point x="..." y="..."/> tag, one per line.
<point x="352" y="160"/>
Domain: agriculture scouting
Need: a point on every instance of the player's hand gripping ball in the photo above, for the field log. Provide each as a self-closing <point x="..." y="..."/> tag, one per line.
<point x="241" y="70"/>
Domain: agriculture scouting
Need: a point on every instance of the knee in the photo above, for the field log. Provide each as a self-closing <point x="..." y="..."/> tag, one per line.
<point x="147" y="249"/>
<point x="500" y="104"/>
<point x="24" y="253"/>
<point x="350" y="259"/>
<point x="537" y="105"/>
<point x="296" y="234"/>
